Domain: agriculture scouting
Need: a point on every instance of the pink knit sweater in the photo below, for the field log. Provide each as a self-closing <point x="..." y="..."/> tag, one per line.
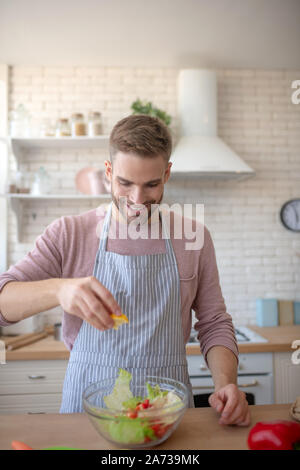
<point x="67" y="249"/>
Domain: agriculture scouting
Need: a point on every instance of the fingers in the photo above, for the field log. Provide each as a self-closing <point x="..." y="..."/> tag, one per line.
<point x="216" y="403"/>
<point x="88" y="315"/>
<point x="105" y="295"/>
<point x="246" y="420"/>
<point x="232" y="399"/>
<point x="96" y="309"/>
<point x="237" y="416"/>
<point x="235" y="408"/>
<point x="88" y="299"/>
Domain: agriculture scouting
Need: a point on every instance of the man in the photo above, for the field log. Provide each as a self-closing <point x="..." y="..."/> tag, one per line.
<point x="154" y="281"/>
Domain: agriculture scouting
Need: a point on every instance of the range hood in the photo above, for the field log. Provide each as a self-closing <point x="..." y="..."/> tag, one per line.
<point x="200" y="152"/>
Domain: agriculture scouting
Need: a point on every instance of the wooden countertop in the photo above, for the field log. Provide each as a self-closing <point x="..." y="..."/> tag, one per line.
<point x="279" y="338"/>
<point x="199" y="429"/>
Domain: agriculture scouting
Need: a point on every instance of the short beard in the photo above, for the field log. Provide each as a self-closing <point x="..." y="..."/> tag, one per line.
<point x="125" y="215"/>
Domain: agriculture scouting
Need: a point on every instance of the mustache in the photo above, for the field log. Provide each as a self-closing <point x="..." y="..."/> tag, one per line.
<point x="143" y="204"/>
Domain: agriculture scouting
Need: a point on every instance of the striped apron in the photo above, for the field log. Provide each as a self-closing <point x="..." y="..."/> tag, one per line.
<point x="147" y="288"/>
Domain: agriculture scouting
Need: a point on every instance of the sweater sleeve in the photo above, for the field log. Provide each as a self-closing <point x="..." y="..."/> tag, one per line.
<point x="214" y="324"/>
<point x="44" y="261"/>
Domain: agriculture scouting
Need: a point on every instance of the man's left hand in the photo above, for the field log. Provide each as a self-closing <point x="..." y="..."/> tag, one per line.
<point x="231" y="403"/>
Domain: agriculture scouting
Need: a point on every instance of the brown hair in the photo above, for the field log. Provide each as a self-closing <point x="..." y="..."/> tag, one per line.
<point x="143" y="135"/>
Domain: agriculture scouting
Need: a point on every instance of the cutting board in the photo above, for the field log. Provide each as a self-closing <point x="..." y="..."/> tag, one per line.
<point x="23" y="340"/>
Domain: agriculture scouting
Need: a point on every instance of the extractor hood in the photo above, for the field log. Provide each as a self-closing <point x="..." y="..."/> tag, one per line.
<point x="200" y="152"/>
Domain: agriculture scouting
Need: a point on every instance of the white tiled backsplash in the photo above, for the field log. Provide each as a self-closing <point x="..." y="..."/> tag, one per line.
<point x="255" y="254"/>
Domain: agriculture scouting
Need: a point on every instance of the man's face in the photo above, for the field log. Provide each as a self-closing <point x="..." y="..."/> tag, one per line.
<point x="140" y="180"/>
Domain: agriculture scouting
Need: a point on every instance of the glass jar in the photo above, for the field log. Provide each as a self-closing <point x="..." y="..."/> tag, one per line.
<point x="41" y="183"/>
<point x="19" y="178"/>
<point x="94" y="124"/>
<point x="48" y="128"/>
<point x="78" y="125"/>
<point x="19" y="122"/>
<point x="63" y="128"/>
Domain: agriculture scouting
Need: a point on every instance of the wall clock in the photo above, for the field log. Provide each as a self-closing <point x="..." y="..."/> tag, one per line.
<point x="290" y="215"/>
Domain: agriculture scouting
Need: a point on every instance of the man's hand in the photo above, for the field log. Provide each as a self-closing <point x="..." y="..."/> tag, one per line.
<point x="88" y="299"/>
<point x="231" y="403"/>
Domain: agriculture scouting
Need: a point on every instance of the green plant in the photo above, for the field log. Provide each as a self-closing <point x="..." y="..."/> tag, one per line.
<point x="139" y="107"/>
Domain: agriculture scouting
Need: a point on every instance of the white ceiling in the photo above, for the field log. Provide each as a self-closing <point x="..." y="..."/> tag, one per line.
<point x="151" y="33"/>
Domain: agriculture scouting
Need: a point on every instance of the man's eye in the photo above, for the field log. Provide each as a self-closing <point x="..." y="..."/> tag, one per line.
<point x="124" y="184"/>
<point x="152" y="185"/>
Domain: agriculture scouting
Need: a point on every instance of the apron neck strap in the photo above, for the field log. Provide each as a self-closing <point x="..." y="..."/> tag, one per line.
<point x="106" y="225"/>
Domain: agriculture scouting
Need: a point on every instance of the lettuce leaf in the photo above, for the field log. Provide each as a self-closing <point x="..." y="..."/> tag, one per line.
<point x="132" y="402"/>
<point x="155" y="391"/>
<point x="121" y="391"/>
<point x="130" y="431"/>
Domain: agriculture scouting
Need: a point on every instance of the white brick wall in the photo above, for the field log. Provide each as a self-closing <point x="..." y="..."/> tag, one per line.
<point x="255" y="254"/>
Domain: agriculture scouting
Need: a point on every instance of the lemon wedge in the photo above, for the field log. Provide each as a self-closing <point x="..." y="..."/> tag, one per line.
<point x="119" y="320"/>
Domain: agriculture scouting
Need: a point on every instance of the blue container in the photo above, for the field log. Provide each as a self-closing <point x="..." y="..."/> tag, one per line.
<point x="297" y="313"/>
<point x="266" y="312"/>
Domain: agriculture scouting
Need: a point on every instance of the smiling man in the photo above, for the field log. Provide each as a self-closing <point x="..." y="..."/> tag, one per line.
<point x="81" y="263"/>
<point x="141" y="187"/>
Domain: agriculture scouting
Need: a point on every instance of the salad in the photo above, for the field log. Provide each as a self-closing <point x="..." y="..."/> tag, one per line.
<point x="139" y="419"/>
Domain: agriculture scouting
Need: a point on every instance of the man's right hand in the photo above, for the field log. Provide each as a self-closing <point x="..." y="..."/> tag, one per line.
<point x="88" y="299"/>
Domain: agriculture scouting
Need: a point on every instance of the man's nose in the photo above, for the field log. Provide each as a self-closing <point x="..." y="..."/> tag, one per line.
<point x="137" y="196"/>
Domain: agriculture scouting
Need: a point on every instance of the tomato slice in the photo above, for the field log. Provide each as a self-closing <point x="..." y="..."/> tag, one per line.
<point x="132" y="414"/>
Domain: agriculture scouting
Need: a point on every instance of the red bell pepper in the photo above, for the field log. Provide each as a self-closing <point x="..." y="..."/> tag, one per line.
<point x="275" y="435"/>
<point x="18" y="445"/>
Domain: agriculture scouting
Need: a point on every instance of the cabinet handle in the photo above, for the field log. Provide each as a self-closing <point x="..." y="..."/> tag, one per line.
<point x="36" y="413"/>
<point x="36" y="377"/>
<point x="203" y="387"/>
<point x="250" y="384"/>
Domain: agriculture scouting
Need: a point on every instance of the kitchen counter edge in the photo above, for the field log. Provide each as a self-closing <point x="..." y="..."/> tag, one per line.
<point x="280" y="339"/>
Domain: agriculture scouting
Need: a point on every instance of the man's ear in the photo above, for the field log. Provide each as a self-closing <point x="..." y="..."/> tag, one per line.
<point x="108" y="170"/>
<point x="167" y="172"/>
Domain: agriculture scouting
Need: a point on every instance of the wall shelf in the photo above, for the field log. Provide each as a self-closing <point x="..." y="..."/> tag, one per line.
<point x="17" y="202"/>
<point x="20" y="146"/>
<point x="23" y="196"/>
<point x="100" y="141"/>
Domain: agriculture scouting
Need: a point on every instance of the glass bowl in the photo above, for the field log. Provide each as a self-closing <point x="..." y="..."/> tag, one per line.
<point x="122" y="428"/>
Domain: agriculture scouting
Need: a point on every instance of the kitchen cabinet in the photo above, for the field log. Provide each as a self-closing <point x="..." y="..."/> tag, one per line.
<point x="31" y="386"/>
<point x="287" y="378"/>
<point x="265" y="370"/>
<point x="20" y="147"/>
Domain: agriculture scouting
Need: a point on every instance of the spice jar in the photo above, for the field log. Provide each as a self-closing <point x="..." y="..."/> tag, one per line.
<point x="94" y="124"/>
<point x="78" y="125"/>
<point x="11" y="185"/>
<point x="63" y="128"/>
<point x="23" y="185"/>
